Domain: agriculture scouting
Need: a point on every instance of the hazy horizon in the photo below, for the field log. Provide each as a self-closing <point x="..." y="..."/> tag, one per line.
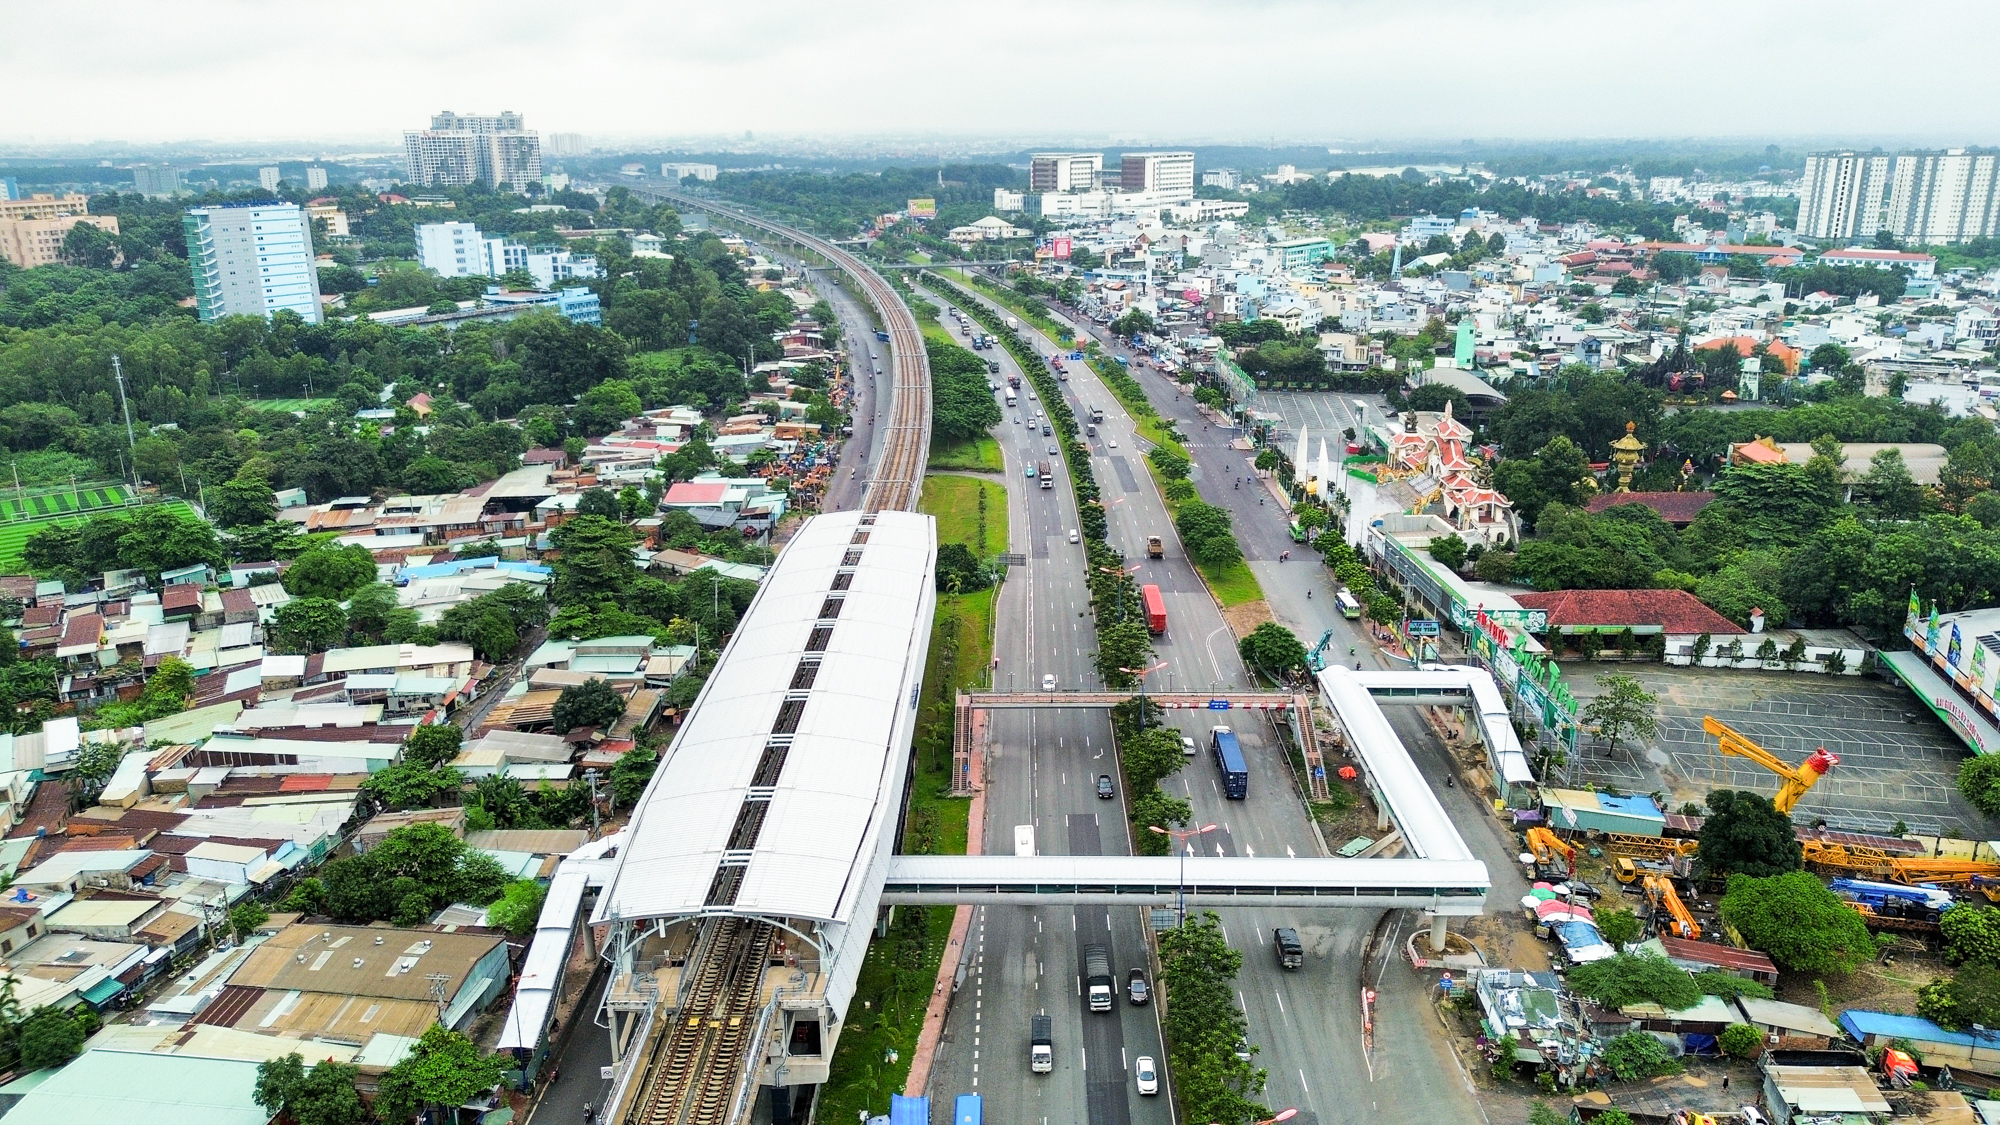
<point x="217" y="73"/>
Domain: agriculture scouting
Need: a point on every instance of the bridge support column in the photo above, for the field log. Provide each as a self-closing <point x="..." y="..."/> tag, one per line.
<point x="1381" y="813"/>
<point x="1438" y="931"/>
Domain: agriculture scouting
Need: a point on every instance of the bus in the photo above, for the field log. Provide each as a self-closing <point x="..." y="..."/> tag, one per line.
<point x="1024" y="839"/>
<point x="967" y="1110"/>
<point x="1229" y="760"/>
<point x="1349" y="608"/>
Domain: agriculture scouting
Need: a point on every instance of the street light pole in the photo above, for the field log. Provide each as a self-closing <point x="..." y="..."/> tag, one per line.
<point x="1182" y="839"/>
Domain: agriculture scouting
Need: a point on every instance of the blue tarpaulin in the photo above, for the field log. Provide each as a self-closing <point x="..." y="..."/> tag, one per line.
<point x="909" y="1111"/>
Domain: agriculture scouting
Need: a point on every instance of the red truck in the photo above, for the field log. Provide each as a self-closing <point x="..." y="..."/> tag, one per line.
<point x="1156" y="609"/>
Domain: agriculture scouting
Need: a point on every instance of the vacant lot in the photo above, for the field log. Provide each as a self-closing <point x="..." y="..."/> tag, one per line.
<point x="1897" y="762"/>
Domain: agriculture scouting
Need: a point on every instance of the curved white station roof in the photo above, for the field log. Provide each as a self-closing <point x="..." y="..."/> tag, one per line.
<point x="1427" y="828"/>
<point x="837" y="791"/>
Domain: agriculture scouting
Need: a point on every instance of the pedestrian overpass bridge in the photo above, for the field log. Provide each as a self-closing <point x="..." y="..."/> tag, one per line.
<point x="1447" y="888"/>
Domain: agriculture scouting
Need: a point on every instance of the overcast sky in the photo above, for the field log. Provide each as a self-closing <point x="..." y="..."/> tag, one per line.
<point x="1173" y="70"/>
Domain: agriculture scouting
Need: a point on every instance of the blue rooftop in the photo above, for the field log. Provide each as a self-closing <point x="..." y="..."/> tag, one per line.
<point x="1630" y="806"/>
<point x="1861" y="1023"/>
<point x="458" y="566"/>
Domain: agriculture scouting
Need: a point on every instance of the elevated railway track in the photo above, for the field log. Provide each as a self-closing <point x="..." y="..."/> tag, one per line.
<point x="703" y="1056"/>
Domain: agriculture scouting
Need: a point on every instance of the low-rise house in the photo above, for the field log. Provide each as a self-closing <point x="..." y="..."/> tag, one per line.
<point x="107" y="917"/>
<point x="73" y="871"/>
<point x="353" y="982"/>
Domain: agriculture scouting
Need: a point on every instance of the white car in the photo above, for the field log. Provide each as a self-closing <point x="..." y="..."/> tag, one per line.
<point x="1074" y="537"/>
<point x="1112" y="442"/>
<point x="1187" y="746"/>
<point x="1049" y="682"/>
<point x="1753" y="1116"/>
<point x="1146" y="1075"/>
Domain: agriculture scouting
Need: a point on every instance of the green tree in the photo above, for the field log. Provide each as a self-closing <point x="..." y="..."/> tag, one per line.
<point x="595" y="563"/>
<point x="433" y="744"/>
<point x="592" y="704"/>
<point x="310" y="624"/>
<point x="1624" y="707"/>
<point x="1805" y="927"/>
<point x="168" y="689"/>
<point x="1967" y="997"/>
<point x="445" y="1069"/>
<point x="1203" y="1024"/>
<point x="1740" y="1040"/>
<point x="1744" y="833"/>
<point x="1634" y="978"/>
<point x="1635" y="1055"/>
<point x="1121" y="645"/>
<point x="246" y="501"/>
<point x="1273" y="648"/>
<point x="330" y="572"/>
<point x="1618" y="926"/>
<point x="1151" y="755"/>
<point x="599" y="502"/>
<point x="520" y="906"/>
<point x="374" y="616"/>
<point x="631" y="772"/>
<point x="49" y="1038"/>
<point x="1889" y="489"/>
<point x="1448" y="550"/>
<point x="1971" y="935"/>
<point x="1540" y="1113"/>
<point x="246" y="916"/>
<point x="408" y="785"/>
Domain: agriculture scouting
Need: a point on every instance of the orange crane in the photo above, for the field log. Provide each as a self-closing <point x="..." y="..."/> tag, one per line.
<point x="1660" y="892"/>
<point x="1546" y="844"/>
<point x="1797" y="779"/>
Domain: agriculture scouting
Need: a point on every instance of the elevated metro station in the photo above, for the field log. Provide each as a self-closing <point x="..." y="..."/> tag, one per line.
<point x="741" y="899"/>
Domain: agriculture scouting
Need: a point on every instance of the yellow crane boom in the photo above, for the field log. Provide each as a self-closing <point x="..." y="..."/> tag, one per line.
<point x="1797" y="780"/>
<point x="1660" y="892"/>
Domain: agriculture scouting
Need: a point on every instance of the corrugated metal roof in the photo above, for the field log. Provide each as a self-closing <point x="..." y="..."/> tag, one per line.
<point x="837" y="791"/>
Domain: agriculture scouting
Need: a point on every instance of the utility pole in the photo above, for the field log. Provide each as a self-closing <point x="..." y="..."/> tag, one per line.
<point x="590" y="775"/>
<point x="131" y="442"/>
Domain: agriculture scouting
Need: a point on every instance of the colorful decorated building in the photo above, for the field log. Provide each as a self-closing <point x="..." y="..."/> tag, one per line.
<point x="1430" y="457"/>
<point x="1954" y="666"/>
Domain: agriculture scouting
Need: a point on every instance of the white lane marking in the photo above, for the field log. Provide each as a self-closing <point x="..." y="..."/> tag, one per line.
<point x="1302" y="1081"/>
<point x="1281" y="1000"/>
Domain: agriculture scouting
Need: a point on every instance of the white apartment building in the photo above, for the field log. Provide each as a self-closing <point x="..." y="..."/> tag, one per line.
<point x="463" y="149"/>
<point x="1226" y="178"/>
<point x="552" y="266"/>
<point x="1168" y="175"/>
<point x="158" y="181"/>
<point x="1064" y="171"/>
<point x="679" y="171"/>
<point x="252" y="260"/>
<point x="1944" y="197"/>
<point x="451" y="249"/>
<point x="567" y="144"/>
<point x="1840" y="197"/>
<point x="267" y="178"/>
<point x="1004" y="200"/>
<point x="315" y="178"/>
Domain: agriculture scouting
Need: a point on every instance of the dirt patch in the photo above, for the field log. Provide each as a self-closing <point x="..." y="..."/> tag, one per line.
<point x="1890" y="987"/>
<point x="1242" y="619"/>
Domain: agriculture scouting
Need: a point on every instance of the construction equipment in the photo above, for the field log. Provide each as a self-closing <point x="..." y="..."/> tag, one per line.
<point x="1316" y="659"/>
<point x="1846" y="859"/>
<point x="1547" y="845"/>
<point x="1942" y="872"/>
<point x="1649" y="847"/>
<point x="1630" y="871"/>
<point x="1660" y="892"/>
<point x="1798" y="780"/>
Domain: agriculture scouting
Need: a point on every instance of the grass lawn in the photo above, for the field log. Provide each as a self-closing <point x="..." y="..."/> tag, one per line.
<point x="1233" y="584"/>
<point x="981" y="455"/>
<point x="969" y="510"/>
<point x="289" y="403"/>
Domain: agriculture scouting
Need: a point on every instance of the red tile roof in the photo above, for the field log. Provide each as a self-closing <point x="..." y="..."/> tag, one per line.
<point x="1672" y="611"/>
<point x="239" y="604"/>
<point x="82" y="629"/>
<point x="1678" y="508"/>
<point x="688" y="492"/>
<point x="184" y="595"/>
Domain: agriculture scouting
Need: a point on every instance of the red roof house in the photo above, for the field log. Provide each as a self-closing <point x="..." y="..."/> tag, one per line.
<point x="1672" y="612"/>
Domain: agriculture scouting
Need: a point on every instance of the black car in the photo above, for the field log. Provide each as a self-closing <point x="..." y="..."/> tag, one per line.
<point x="1104" y="789"/>
<point x="1136" y="988"/>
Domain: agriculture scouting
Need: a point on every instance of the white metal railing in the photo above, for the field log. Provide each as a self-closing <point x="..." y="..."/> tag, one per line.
<point x="635" y="1059"/>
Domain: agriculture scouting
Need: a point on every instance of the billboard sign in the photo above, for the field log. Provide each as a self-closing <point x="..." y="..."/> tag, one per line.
<point x="923" y="208"/>
<point x="1061" y="247"/>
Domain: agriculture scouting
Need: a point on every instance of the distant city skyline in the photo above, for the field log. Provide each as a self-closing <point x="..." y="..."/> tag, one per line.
<point x="1267" y="70"/>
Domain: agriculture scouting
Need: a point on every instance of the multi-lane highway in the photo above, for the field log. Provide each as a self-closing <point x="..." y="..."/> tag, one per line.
<point x="1306" y="1025"/>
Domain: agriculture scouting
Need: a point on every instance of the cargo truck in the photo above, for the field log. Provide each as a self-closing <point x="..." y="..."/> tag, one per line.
<point x="1156" y="548"/>
<point x="1291" y="954"/>
<point x="1097" y="415"/>
<point x="1229" y="762"/>
<point x="1048" y="478"/>
<point x="1156" y="609"/>
<point x="1041" y="1045"/>
<point x="1097" y="977"/>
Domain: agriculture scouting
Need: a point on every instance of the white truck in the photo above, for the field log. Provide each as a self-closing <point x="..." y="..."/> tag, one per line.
<point x="1097" y="982"/>
<point x="1041" y="1045"/>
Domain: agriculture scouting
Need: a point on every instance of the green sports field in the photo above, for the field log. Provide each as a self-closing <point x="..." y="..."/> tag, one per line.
<point x="16" y="530"/>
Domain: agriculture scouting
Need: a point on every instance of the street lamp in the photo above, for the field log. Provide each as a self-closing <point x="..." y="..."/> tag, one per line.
<point x="1142" y="673"/>
<point x="1182" y="837"/>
